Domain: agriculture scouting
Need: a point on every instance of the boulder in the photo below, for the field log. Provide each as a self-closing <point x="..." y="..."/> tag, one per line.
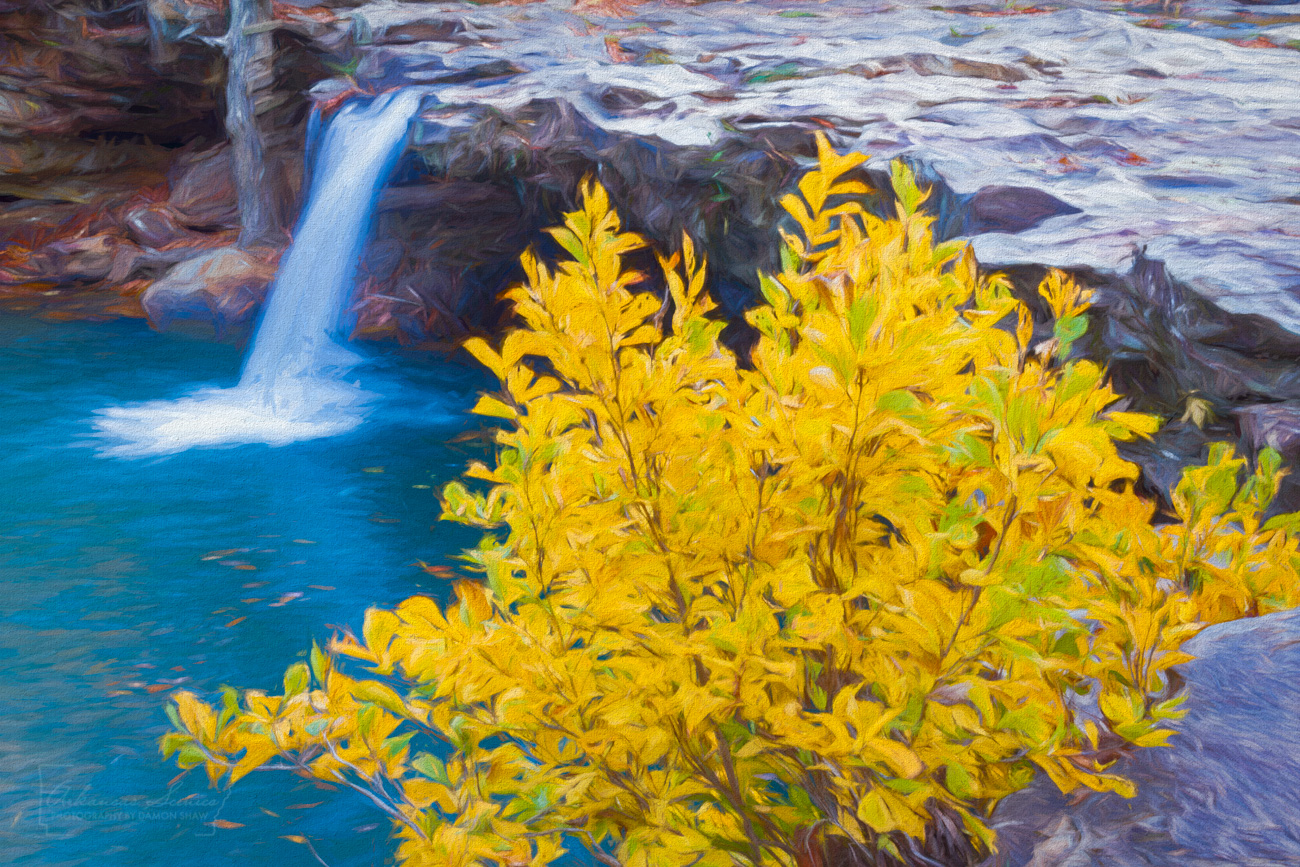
<point x="92" y="259"/>
<point x="1222" y="793"/>
<point x="216" y="291"/>
<point x="203" y="189"/>
<point x="999" y="208"/>
<point x="154" y="225"/>
<point x="1271" y="425"/>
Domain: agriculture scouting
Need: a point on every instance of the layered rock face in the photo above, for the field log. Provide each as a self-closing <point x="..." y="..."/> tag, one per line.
<point x="89" y="137"/>
<point x="114" y="165"/>
<point x="1066" y="134"/>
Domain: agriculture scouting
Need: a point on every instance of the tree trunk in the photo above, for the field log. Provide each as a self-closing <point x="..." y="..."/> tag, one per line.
<point x="259" y="178"/>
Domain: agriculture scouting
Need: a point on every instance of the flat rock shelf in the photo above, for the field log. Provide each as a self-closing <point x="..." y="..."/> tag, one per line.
<point x="1071" y="133"/>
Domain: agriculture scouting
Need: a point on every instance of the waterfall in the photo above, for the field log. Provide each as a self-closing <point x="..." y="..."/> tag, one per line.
<point x="291" y="387"/>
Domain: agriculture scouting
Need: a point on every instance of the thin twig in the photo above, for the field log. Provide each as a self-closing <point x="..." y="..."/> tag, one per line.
<point x="314" y="853"/>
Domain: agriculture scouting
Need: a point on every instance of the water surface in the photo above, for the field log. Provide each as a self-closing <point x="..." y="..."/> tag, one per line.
<point x="124" y="579"/>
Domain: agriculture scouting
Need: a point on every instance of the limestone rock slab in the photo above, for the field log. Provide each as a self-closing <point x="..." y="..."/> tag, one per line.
<point x="1173" y="128"/>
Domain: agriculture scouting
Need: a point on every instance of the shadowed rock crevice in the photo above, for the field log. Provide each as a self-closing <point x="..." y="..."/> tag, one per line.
<point x="1167" y="348"/>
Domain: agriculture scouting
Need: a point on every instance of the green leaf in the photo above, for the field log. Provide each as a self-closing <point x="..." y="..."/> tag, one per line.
<point x="958" y="781"/>
<point x="297" y="678"/>
<point x="190" y="756"/>
<point x="320" y="663"/>
<point x="229" y="706"/>
<point x="432" y="767"/>
<point x="172" y="741"/>
<point x="394" y="745"/>
<point x="909" y="195"/>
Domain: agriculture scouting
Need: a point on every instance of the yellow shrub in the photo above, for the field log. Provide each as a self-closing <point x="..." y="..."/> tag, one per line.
<point x="743" y="613"/>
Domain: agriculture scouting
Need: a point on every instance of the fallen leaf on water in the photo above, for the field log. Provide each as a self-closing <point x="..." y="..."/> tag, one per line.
<point x="372" y="469"/>
<point x="304" y="806"/>
<point x="268" y="812"/>
<point x="303" y="542"/>
<point x="236" y="622"/>
<point x="225" y="823"/>
<point x="292" y="838"/>
<point x="224" y="552"/>
<point x="251" y="585"/>
<point x="250" y="600"/>
<point x="320" y="587"/>
<point x="248" y="567"/>
<point x="157" y="687"/>
<point x="117" y="692"/>
<point x="288" y="597"/>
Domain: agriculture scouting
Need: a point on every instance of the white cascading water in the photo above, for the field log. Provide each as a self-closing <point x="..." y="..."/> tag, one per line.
<point x="291" y="387"/>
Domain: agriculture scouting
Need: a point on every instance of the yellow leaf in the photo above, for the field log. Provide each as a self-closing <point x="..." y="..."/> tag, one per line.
<point x="1198" y="411"/>
<point x="873" y="811"/>
<point x="900" y="758"/>
<point x="492" y="406"/>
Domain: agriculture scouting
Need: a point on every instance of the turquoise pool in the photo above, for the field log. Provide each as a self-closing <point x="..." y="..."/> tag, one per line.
<point x="124" y="579"/>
